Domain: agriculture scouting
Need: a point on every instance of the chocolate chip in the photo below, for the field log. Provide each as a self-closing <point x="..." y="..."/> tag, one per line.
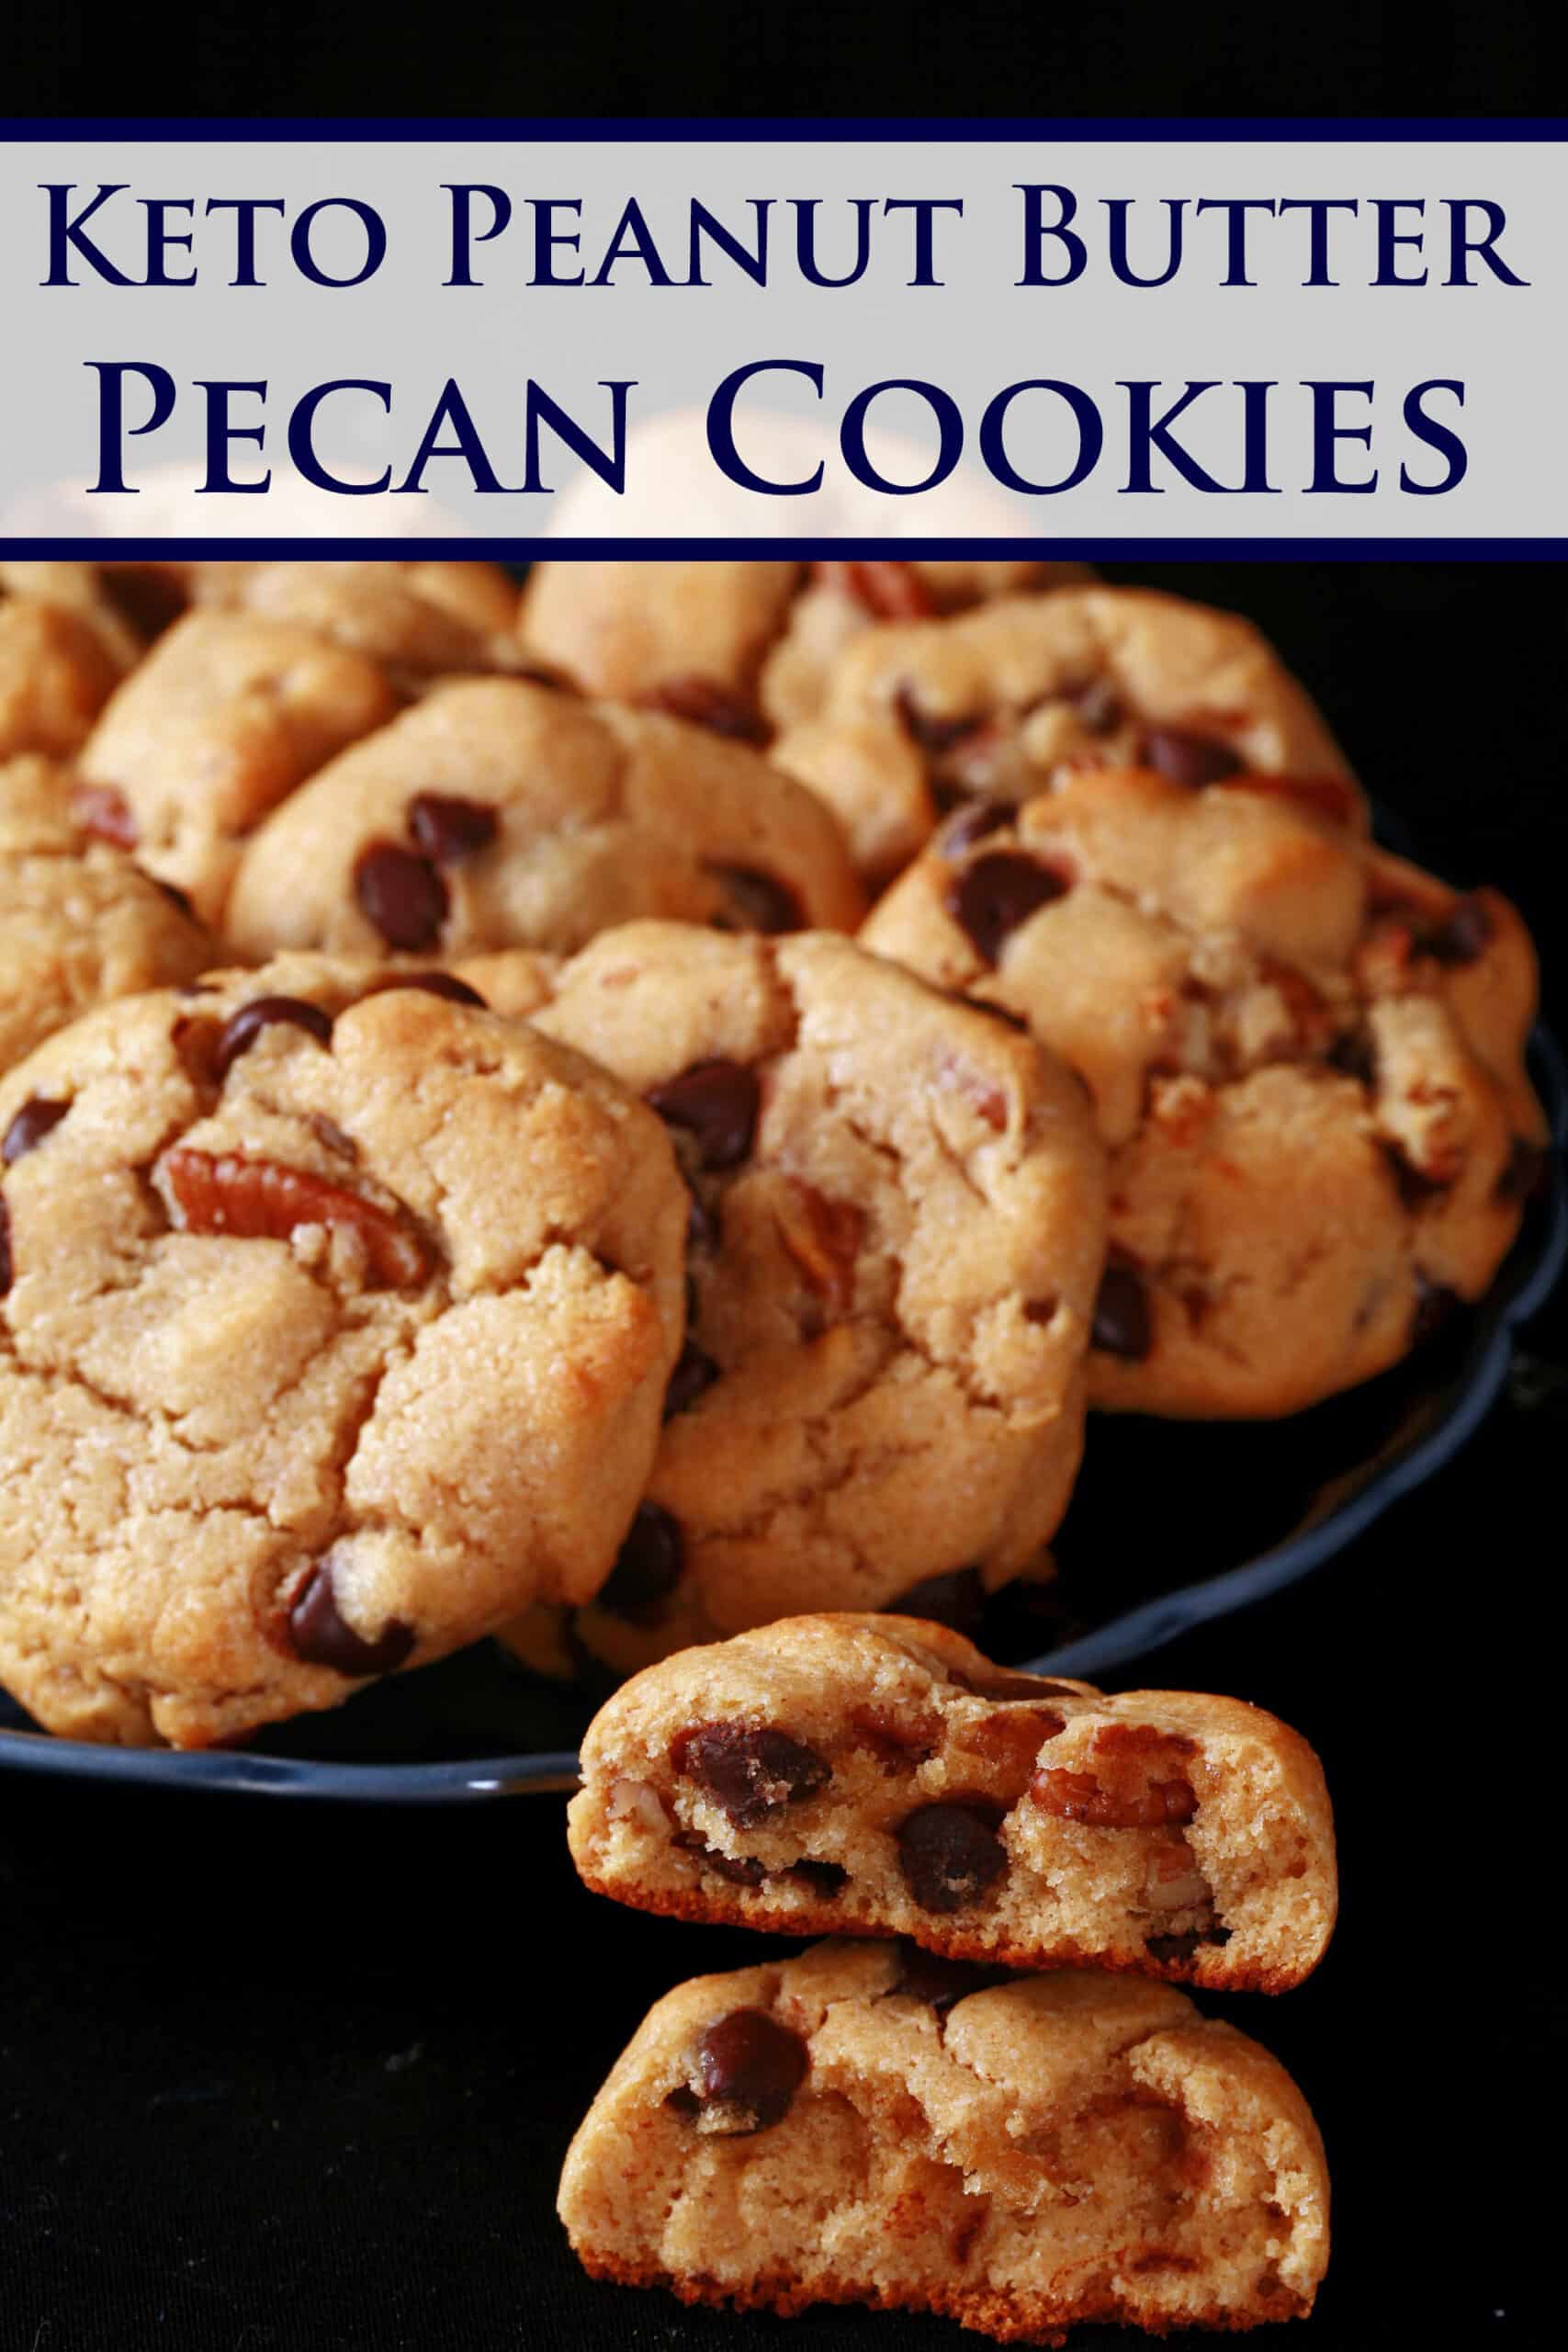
<point x="242" y="1029"/>
<point x="36" y="1118"/>
<point x="826" y="1879"/>
<point x="717" y="1102"/>
<point x="401" y="894"/>
<point x="441" y="984"/>
<point x="147" y="596"/>
<point x="5" y="1250"/>
<point x="648" y="1567"/>
<point x="1521" y="1176"/>
<point x="750" y="1772"/>
<point x="1189" y="759"/>
<point x="1184" y="1947"/>
<point x="320" y="1637"/>
<point x="1464" y="935"/>
<point x="950" y="1854"/>
<point x="751" y="2065"/>
<point x="995" y="1682"/>
<point x="973" y="822"/>
<point x="1435" y="1304"/>
<point x="1354" y="1056"/>
<point x="991" y="897"/>
<point x="932" y="734"/>
<point x="449" y="829"/>
<point x="703" y="702"/>
<point x="1123" y="1325"/>
<point x="762" y="900"/>
<point x="956" y="1599"/>
<point x="741" y="1869"/>
<point x="694" y="1372"/>
<point x="927" y="1976"/>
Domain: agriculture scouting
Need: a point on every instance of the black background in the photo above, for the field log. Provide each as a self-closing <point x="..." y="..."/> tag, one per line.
<point x="281" y="2079"/>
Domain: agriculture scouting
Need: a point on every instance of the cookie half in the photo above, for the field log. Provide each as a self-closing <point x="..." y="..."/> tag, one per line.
<point x="1306" y="1057"/>
<point x="996" y="703"/>
<point x="897" y="1235"/>
<point x="858" y="2125"/>
<point x="499" y="813"/>
<point x="336" y="1328"/>
<point x="879" y="1776"/>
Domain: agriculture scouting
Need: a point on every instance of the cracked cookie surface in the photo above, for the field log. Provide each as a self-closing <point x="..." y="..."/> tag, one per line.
<point x="337" y="1324"/>
<point x="1306" y="1057"/>
<point x="864" y="1775"/>
<point x="419" y="619"/>
<point x="919" y="718"/>
<point x="746" y="646"/>
<point x="79" y="922"/>
<point x="501" y="813"/>
<point x="863" y="2124"/>
<point x="224" y="717"/>
<point x="896" y="1234"/>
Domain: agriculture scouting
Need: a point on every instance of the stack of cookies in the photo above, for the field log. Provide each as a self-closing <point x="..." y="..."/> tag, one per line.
<point x="639" y="1118"/>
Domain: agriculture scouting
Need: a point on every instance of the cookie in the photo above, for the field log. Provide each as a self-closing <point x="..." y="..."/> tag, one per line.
<point x="878" y="1776"/>
<point x="863" y="2124"/>
<point x="79" y="922"/>
<point x="336" y="1328"/>
<point x="87" y="590"/>
<point x="897" y="1235"/>
<point x="56" y="673"/>
<point x="1306" y="1057"/>
<point x="225" y="717"/>
<point x="995" y="704"/>
<point x="499" y="813"/>
<point x="418" y="619"/>
<point x="740" y="647"/>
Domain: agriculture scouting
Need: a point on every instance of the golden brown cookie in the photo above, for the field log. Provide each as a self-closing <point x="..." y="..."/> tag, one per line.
<point x="499" y="813"/>
<point x="897" y="1237"/>
<point x="997" y="702"/>
<point x="336" y="1322"/>
<point x="860" y="1775"/>
<point x="56" y="671"/>
<point x="1307" y="1059"/>
<point x="859" y="2124"/>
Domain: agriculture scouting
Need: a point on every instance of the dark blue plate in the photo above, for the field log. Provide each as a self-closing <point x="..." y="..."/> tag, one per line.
<point x="1271" y="1501"/>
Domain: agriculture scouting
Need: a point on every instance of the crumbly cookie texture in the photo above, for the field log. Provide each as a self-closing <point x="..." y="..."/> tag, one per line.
<point x="79" y="922"/>
<point x="897" y="1235"/>
<point x="56" y="671"/>
<point x="862" y="2124"/>
<point x="337" y="1324"/>
<point x="501" y="813"/>
<point x="1306" y="1057"/>
<point x="879" y="1776"/>
<point x="999" y="701"/>
<point x="742" y="646"/>
<point x="225" y="717"/>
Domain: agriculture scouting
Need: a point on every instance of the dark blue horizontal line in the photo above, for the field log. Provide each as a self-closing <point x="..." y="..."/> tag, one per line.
<point x="836" y="129"/>
<point x="524" y="550"/>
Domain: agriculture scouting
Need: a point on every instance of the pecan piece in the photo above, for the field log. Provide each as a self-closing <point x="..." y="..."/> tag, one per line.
<point x="889" y="591"/>
<point x="261" y="1200"/>
<point x="1123" y="1791"/>
<point x="823" y="1236"/>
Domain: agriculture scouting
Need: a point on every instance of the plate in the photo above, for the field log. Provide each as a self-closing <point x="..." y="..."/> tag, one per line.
<point x="1277" y="1500"/>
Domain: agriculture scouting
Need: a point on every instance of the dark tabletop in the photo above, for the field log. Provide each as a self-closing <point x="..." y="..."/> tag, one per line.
<point x="283" y="2078"/>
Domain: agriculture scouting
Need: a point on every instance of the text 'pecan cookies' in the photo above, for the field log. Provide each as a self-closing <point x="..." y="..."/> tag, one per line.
<point x="79" y="922"/>
<point x="1307" y="1059"/>
<point x="919" y="719"/>
<point x="742" y="648"/>
<point x="878" y="1776"/>
<point x="335" y="1328"/>
<point x="499" y="813"/>
<point x="896" y="1234"/>
<point x="858" y="2125"/>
